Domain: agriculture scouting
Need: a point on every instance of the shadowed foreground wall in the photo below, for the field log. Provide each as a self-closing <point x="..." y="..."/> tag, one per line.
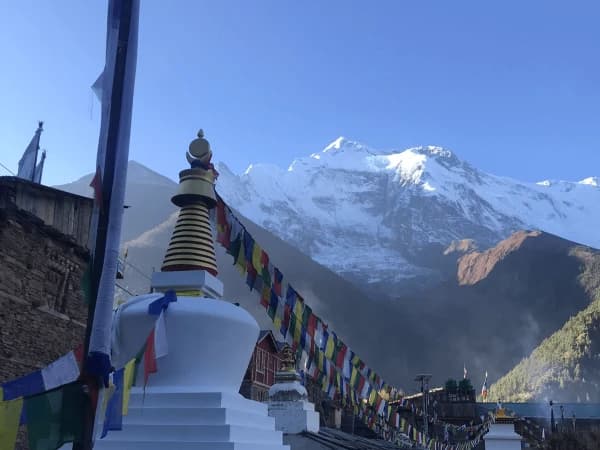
<point x="42" y="312"/>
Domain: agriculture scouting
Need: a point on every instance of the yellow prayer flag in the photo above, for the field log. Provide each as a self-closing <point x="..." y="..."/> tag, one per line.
<point x="299" y="309"/>
<point x="320" y="362"/>
<point x="277" y="322"/>
<point x="373" y="397"/>
<point x="127" y="383"/>
<point x="240" y="261"/>
<point x="329" y="347"/>
<point x="297" y="330"/>
<point x="10" y="416"/>
<point x="256" y="257"/>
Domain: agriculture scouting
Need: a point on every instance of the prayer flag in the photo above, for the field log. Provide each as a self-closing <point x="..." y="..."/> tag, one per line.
<point x="113" y="417"/>
<point x="25" y="386"/>
<point x="265" y="297"/>
<point x="278" y="319"/>
<point x="330" y="346"/>
<point x="248" y="247"/>
<point x="149" y="357"/>
<point x="54" y="417"/>
<point x="256" y="258"/>
<point x="28" y="160"/>
<point x="273" y="304"/>
<point x="266" y="268"/>
<point x="39" y="169"/>
<point x="10" y="415"/>
<point x="128" y="380"/>
<point x="484" y="389"/>
<point x="161" y="346"/>
<point x="62" y="371"/>
<point x="277" y="279"/>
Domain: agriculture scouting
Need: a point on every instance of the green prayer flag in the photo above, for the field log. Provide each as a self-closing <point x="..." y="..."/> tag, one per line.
<point x="234" y="247"/>
<point x="306" y="316"/>
<point x="55" y="417"/>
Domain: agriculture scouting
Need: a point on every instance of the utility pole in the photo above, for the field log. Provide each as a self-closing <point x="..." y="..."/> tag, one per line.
<point x="424" y="380"/>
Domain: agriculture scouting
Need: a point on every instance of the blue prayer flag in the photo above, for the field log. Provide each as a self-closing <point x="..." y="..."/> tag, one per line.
<point x="113" y="419"/>
<point x="26" y="386"/>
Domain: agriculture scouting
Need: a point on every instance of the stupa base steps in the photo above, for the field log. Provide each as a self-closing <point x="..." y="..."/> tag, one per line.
<point x="194" y="420"/>
<point x="294" y="417"/>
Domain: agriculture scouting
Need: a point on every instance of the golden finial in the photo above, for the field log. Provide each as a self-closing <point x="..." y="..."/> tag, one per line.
<point x="288" y="359"/>
<point x="199" y="153"/>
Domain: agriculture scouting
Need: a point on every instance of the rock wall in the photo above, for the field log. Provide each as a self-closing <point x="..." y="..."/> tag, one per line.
<point x="42" y="311"/>
<point x="43" y="232"/>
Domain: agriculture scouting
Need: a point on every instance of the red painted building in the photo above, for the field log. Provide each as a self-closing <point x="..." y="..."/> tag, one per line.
<point x="266" y="360"/>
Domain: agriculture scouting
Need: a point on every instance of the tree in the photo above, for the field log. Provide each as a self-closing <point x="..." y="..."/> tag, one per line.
<point x="451" y="386"/>
<point x="465" y="386"/>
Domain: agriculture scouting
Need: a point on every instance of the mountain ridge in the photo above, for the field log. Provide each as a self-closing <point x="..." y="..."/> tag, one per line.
<point x="397" y="204"/>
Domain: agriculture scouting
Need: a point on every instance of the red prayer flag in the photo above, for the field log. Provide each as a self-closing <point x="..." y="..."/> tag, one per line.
<point x="149" y="358"/>
<point x="312" y="325"/>
<point x="96" y="184"/>
<point x="223" y="228"/>
<point x="339" y="362"/>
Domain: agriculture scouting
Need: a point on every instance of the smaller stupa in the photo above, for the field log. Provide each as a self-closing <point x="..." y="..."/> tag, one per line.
<point x="502" y="435"/>
<point x="288" y="399"/>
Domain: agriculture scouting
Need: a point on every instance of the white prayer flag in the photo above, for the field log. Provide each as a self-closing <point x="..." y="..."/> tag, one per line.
<point x="62" y="371"/>
<point x="161" y="346"/>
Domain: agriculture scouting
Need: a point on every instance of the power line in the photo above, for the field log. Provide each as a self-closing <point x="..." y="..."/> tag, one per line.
<point x="125" y="290"/>
<point x="8" y="170"/>
<point x="137" y="270"/>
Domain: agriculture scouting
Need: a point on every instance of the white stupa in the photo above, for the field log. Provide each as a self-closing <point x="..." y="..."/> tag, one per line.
<point x="288" y="400"/>
<point x="501" y="435"/>
<point x="193" y="401"/>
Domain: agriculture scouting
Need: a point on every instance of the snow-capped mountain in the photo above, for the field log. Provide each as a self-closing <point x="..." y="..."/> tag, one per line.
<point x="386" y="216"/>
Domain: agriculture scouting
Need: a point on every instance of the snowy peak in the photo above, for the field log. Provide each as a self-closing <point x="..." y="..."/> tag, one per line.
<point x="434" y="152"/>
<point x="591" y="181"/>
<point x="342" y="144"/>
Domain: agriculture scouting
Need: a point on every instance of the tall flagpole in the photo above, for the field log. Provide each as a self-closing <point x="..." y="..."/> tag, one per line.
<point x="118" y="80"/>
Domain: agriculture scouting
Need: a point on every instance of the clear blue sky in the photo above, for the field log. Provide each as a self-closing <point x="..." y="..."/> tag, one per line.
<point x="511" y="86"/>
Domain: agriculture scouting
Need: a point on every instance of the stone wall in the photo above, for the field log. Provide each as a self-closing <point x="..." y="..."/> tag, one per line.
<point x="42" y="312"/>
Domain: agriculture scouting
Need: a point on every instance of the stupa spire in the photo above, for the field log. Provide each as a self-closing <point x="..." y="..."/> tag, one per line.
<point x="192" y="246"/>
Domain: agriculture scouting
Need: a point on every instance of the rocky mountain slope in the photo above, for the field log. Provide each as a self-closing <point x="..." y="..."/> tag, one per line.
<point x="501" y="303"/>
<point x="565" y="366"/>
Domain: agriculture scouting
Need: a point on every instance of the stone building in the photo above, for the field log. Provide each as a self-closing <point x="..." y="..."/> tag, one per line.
<point x="43" y="255"/>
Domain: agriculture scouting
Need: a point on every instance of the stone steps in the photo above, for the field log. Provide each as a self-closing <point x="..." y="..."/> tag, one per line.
<point x="196" y="433"/>
<point x="139" y="399"/>
<point x="197" y="416"/>
<point x="176" y="445"/>
<point x="194" y="420"/>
